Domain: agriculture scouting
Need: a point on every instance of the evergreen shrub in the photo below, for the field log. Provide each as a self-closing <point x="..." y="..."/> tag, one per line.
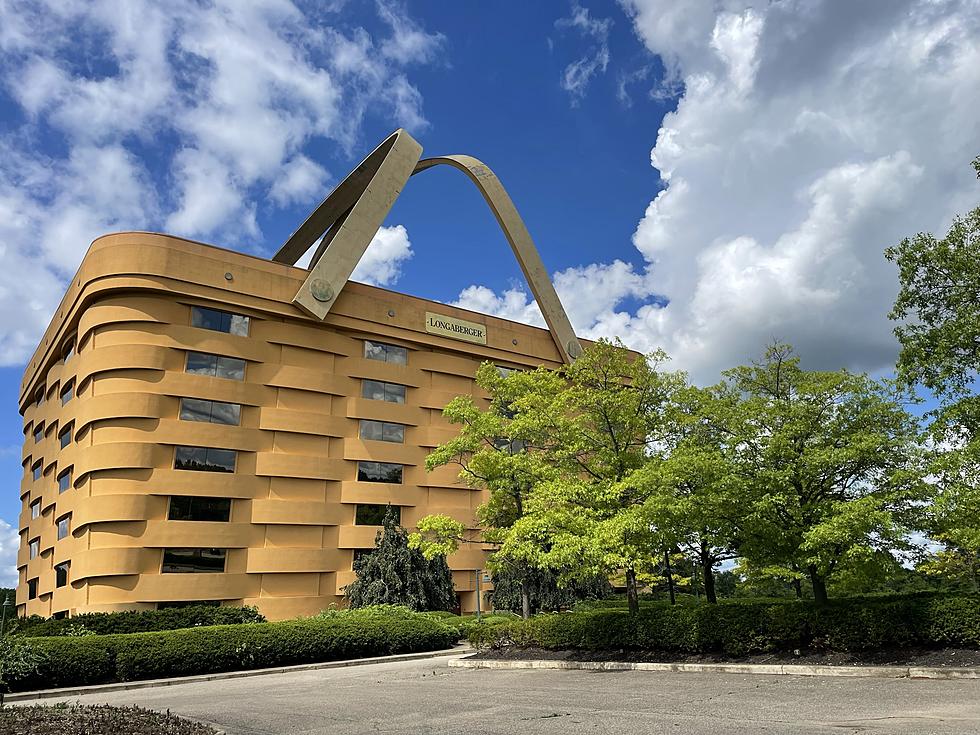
<point x="72" y="661"/>
<point x="137" y="621"/>
<point x="741" y="627"/>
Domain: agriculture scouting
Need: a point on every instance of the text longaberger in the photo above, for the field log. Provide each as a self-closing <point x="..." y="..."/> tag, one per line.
<point x="455" y="328"/>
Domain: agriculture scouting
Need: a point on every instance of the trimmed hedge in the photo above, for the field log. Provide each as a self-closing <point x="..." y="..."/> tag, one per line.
<point x="137" y="621"/>
<point x="75" y="661"/>
<point x="747" y="627"/>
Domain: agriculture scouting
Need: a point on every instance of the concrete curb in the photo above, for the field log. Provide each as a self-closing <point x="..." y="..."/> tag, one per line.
<point x="880" y="672"/>
<point x="127" y="685"/>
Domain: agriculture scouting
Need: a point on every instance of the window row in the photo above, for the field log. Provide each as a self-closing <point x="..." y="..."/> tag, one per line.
<point x="64" y="479"/>
<point x="215" y="366"/>
<point x="60" y="579"/>
<point x="64" y="531"/>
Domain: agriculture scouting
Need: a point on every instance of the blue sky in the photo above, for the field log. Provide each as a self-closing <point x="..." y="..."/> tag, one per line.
<point x="701" y="176"/>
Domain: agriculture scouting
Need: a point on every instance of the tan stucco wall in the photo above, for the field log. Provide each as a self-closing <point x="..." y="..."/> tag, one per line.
<point x="291" y="535"/>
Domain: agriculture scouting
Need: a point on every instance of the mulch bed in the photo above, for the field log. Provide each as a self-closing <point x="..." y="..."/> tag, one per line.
<point x="943" y="657"/>
<point x="76" y="719"/>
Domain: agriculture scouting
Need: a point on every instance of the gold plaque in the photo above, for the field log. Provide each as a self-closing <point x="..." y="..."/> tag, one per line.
<point x="448" y="326"/>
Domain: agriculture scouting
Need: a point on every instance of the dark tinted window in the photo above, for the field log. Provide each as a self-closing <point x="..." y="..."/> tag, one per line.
<point x="374" y="515"/>
<point x="382" y="431"/>
<point x="182" y="561"/>
<point x="65" y="436"/>
<point x="219" y="321"/>
<point x="32" y="588"/>
<point x="67" y="392"/>
<point x="205" y="459"/>
<point x="61" y="574"/>
<point x="377" y="390"/>
<point x="215" y="412"/>
<point x="40" y="397"/>
<point x="36" y="471"/>
<point x="217" y="366"/>
<point x="64" y="527"/>
<point x="189" y="508"/>
<point x="385" y="353"/>
<point x="64" y="481"/>
<point x="379" y="472"/>
<point x="38" y="433"/>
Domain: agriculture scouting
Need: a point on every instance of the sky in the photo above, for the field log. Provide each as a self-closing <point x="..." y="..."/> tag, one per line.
<point x="702" y="177"/>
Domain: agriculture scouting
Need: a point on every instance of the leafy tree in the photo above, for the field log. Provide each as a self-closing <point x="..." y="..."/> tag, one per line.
<point x="608" y="419"/>
<point x="394" y="574"/>
<point x="546" y="593"/>
<point x="498" y="449"/>
<point x="695" y="493"/>
<point x="19" y="658"/>
<point x="938" y="307"/>
<point x="828" y="464"/>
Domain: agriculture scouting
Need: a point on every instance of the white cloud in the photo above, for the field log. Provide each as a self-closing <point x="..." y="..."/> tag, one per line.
<point x="383" y="259"/>
<point x="809" y="137"/>
<point x="9" y="543"/>
<point x="576" y="76"/>
<point x="191" y="117"/>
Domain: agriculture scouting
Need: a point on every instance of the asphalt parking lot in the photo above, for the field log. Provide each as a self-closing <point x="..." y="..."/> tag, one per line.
<point x="426" y="696"/>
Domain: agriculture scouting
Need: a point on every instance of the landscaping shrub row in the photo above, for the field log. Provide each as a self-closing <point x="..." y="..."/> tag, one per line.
<point x="74" y="661"/>
<point x="137" y="621"/>
<point x="753" y="627"/>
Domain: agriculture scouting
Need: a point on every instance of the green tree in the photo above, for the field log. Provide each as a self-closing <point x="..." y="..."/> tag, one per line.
<point x="938" y="310"/>
<point x="547" y="595"/>
<point x="608" y="418"/>
<point x="828" y="462"/>
<point x="499" y="449"/>
<point x="394" y="574"/>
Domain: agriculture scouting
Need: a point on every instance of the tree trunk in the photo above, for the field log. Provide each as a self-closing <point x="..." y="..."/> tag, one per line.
<point x="632" y="595"/>
<point x="525" y="599"/>
<point x="707" y="569"/>
<point x="670" y="577"/>
<point x="819" y="585"/>
<point x="798" y="587"/>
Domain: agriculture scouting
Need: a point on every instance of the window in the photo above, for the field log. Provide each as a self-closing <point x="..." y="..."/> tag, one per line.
<point x="378" y="391"/>
<point x="40" y="396"/>
<point x="64" y="438"/>
<point x="60" y="615"/>
<point x="360" y="554"/>
<point x="36" y="470"/>
<point x="34" y="548"/>
<point x="215" y="412"/>
<point x="219" y="321"/>
<point x="374" y="515"/>
<point x="64" y="527"/>
<point x="216" y="366"/>
<point x="36" y="509"/>
<point x="61" y="574"/>
<point x="385" y="353"/>
<point x="382" y="431"/>
<point x="189" y="508"/>
<point x="192" y="561"/>
<point x="205" y="459"/>
<point x="505" y="372"/>
<point x="64" y="480"/>
<point x="69" y="349"/>
<point x="38" y="433"/>
<point x="379" y="472"/>
<point x="32" y="588"/>
<point x="67" y="392"/>
<point x="175" y="604"/>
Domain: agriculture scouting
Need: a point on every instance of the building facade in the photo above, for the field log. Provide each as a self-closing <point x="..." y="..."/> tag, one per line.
<point x="190" y="435"/>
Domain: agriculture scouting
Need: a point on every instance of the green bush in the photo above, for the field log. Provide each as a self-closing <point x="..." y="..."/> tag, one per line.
<point x="137" y="621"/>
<point x="69" y="661"/>
<point x="740" y="627"/>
